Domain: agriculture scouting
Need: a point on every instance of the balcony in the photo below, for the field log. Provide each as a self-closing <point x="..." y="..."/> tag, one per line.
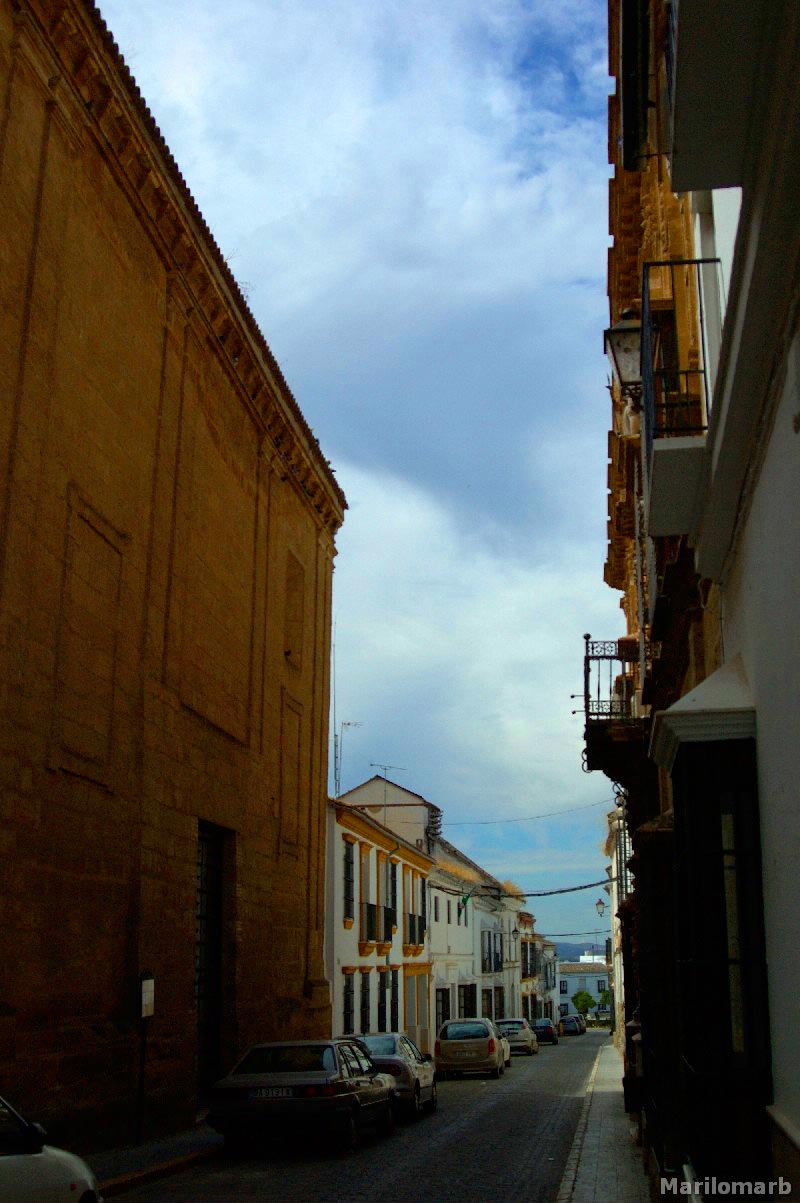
<point x="368" y="931"/>
<point x="415" y="934"/>
<point x="711" y="52"/>
<point x="615" y="731"/>
<point x="680" y="337"/>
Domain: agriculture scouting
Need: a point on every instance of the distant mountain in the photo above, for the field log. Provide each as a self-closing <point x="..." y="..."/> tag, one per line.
<point x="573" y="952"/>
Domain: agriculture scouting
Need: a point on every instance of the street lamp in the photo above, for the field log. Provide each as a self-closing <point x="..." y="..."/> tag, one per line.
<point x="622" y="344"/>
<point x="600" y="906"/>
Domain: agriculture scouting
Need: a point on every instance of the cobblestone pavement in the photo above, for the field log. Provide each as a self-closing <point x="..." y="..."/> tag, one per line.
<point x="501" y="1141"/>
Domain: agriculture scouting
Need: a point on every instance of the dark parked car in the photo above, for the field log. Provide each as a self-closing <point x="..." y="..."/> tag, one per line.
<point x="328" y="1087"/>
<point x="546" y="1031"/>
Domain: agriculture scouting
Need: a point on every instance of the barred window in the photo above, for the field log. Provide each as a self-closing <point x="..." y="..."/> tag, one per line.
<point x="349" y="882"/>
<point x="365" y="1009"/>
<point x="349" y="1005"/>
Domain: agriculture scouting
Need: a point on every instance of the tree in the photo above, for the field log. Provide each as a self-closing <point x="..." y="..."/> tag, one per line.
<point x="605" y="1000"/>
<point x="583" y="1001"/>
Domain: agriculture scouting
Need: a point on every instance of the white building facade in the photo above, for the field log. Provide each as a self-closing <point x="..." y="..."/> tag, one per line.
<point x="472" y="943"/>
<point x="377" y="955"/>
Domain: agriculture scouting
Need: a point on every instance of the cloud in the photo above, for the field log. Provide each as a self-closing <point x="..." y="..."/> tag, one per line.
<point x="458" y="657"/>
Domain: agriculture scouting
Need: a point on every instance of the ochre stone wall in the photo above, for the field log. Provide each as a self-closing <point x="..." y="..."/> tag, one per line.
<point x="166" y="524"/>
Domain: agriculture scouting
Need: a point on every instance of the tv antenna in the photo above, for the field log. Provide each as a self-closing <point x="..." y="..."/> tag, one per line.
<point x="397" y="767"/>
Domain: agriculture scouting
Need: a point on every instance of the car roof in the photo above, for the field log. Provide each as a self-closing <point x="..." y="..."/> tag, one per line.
<point x="298" y="1043"/>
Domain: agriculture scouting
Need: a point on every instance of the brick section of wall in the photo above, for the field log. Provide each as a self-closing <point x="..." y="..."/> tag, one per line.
<point x="163" y="503"/>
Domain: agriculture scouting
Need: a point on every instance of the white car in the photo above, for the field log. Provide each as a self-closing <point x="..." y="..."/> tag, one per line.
<point x="414" y="1072"/>
<point x="520" y="1035"/>
<point x="505" y="1045"/>
<point x="34" y="1172"/>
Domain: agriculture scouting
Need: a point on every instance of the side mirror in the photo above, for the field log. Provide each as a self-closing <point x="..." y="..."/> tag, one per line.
<point x="34" y="1139"/>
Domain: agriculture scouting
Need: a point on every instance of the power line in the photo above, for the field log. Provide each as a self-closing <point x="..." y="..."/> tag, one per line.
<point x="600" y="932"/>
<point x="528" y="818"/>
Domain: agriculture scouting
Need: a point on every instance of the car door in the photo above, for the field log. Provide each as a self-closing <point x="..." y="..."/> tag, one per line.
<point x="421" y="1069"/>
<point x="369" y="1089"/>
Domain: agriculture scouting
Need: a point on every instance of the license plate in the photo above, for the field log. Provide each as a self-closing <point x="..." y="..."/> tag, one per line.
<point x="461" y="1053"/>
<point x="272" y="1092"/>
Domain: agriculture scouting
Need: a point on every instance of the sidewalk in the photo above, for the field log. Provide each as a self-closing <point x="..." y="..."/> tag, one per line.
<point x="119" y="1169"/>
<point x="604" y="1164"/>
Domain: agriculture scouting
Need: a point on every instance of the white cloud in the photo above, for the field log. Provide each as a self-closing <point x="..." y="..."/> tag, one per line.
<point x="478" y="649"/>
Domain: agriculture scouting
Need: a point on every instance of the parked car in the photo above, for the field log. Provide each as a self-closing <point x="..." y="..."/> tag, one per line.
<point x="570" y="1026"/>
<point x="520" y="1035"/>
<point x="329" y="1086"/>
<point x="506" y="1045"/>
<point x="470" y="1046"/>
<point x="34" y="1172"/>
<point x="581" y="1020"/>
<point x="414" y="1072"/>
<point x="546" y="1031"/>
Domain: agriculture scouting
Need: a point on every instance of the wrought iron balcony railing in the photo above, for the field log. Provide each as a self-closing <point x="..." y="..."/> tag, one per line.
<point x="610" y="679"/>
<point x="680" y="335"/>
<point x="369" y="920"/>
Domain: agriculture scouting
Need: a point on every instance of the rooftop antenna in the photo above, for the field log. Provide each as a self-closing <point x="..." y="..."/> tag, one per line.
<point x="337" y="755"/>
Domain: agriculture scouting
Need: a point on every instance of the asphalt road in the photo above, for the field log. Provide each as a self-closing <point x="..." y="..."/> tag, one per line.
<point x="494" y="1141"/>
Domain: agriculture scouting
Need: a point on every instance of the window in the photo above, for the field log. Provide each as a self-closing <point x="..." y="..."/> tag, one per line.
<point x="443" y="1006"/>
<point x="436" y="908"/>
<point x="395" y="1017"/>
<point x="449" y="915"/>
<point x="467" y="999"/>
<point x="601" y="985"/>
<point x="349" y="880"/>
<point x="365" y="1009"/>
<point x="349" y="1004"/>
<point x="563" y="987"/>
<point x="383" y="986"/>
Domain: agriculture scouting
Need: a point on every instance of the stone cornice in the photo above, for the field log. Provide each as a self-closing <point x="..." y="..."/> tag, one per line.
<point x="109" y="105"/>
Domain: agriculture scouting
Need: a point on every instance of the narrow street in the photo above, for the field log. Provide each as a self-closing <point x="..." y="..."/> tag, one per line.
<point x="489" y="1140"/>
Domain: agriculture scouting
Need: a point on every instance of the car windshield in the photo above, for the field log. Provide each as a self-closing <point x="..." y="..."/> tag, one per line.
<point x="509" y="1025"/>
<point x="379" y="1046"/>
<point x="287" y="1058"/>
<point x="544" y="1023"/>
<point x="464" y="1031"/>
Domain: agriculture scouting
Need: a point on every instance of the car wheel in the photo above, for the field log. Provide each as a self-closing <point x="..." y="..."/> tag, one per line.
<point x="387" y="1122"/>
<point x="415" y="1106"/>
<point x="497" y="1071"/>
<point x="350" y="1135"/>
<point x="530" y="1050"/>
<point x="433" y="1101"/>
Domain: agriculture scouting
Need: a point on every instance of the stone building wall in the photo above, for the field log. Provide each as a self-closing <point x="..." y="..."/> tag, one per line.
<point x="167" y="526"/>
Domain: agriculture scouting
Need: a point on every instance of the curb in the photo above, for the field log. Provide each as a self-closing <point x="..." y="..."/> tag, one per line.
<point x="123" y="1182"/>
<point x="573" y="1159"/>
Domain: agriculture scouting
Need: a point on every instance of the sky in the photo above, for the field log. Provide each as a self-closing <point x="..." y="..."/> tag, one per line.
<point x="413" y="198"/>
